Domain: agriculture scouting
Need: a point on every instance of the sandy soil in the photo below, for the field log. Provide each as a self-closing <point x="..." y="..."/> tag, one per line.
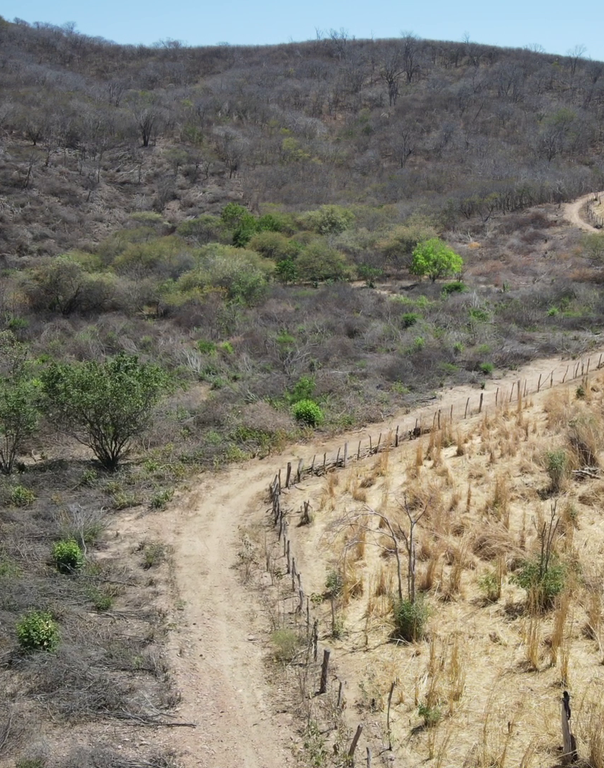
<point x="218" y="645"/>
<point x="572" y="212"/>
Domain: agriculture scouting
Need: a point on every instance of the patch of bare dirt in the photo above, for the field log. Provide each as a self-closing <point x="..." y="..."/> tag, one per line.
<point x="573" y="212"/>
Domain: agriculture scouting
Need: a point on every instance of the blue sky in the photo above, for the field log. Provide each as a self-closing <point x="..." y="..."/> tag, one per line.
<point x="557" y="26"/>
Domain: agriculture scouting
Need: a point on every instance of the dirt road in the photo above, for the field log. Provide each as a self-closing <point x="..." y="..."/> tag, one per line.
<point x="218" y="647"/>
<point x="572" y="212"/>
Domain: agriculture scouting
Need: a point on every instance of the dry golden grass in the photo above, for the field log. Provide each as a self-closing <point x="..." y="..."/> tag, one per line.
<point x="488" y="676"/>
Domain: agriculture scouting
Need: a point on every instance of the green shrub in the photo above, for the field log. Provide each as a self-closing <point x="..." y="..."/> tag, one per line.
<point x="334" y="583"/>
<point x="286" y="643"/>
<point x="543" y="583"/>
<point x="409" y="319"/>
<point x="21" y="496"/>
<point x="410" y="620"/>
<point x="430" y="715"/>
<point x="303" y="389"/>
<point x="307" y="412"/>
<point x="161" y="499"/>
<point x="67" y="556"/>
<point x="37" y="631"/>
<point x="486" y="368"/>
<point x="206" y="347"/>
<point x="557" y="466"/>
<point x="457" y="286"/>
<point x="490" y="586"/>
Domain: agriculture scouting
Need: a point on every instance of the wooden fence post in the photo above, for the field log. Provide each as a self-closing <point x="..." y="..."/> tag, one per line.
<point x="569" y="753"/>
<point x="293" y="574"/>
<point x="289" y="565"/>
<point x="368" y="757"/>
<point x="299" y="470"/>
<point x="539" y="383"/>
<point x="396" y="437"/>
<point x="551" y="380"/>
<point x="340" y="692"/>
<point x="354" y="743"/>
<point x="388" y="731"/>
<point x="467" y="406"/>
<point x="480" y="404"/>
<point x="315" y="638"/>
<point x="359" y="452"/>
<point x="324" y="670"/>
<point x="345" y="455"/>
<point x="497" y="397"/>
<point x="288" y="474"/>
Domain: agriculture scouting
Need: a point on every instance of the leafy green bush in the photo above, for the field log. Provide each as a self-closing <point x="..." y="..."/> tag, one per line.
<point x="330" y="219"/>
<point x="433" y="258"/>
<point x="409" y="319"/>
<point x="457" y="286"/>
<point x="286" y="643"/>
<point x="161" y="499"/>
<point x="308" y="412"/>
<point x="334" y="583"/>
<point x="542" y="582"/>
<point x="318" y="262"/>
<point x="486" y="368"/>
<point x="67" y="556"/>
<point x="490" y="586"/>
<point x="557" y="466"/>
<point x="21" y="496"/>
<point x="37" y="631"/>
<point x="410" y="620"/>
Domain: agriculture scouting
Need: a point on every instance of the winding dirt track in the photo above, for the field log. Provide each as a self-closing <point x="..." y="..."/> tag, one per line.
<point x="219" y="645"/>
<point x="218" y="648"/>
<point x="572" y="212"/>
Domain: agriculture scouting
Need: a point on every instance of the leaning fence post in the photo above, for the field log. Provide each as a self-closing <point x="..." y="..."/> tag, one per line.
<point x="480" y="403"/>
<point x="355" y="741"/>
<point x="539" y="383"/>
<point x="324" y="670"/>
<point x="467" y="406"/>
<point x="569" y="754"/>
<point x="340" y="692"/>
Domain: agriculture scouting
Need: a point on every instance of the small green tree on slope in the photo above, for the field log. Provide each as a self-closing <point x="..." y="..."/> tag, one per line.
<point x="104" y="405"/>
<point x="434" y="259"/>
<point x="19" y="394"/>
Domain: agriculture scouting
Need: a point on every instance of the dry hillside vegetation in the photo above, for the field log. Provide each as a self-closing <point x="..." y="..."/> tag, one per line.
<point x="508" y="542"/>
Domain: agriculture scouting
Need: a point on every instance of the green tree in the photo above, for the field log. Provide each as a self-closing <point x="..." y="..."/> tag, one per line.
<point x="104" y="405"/>
<point x="433" y="258"/>
<point x="19" y="393"/>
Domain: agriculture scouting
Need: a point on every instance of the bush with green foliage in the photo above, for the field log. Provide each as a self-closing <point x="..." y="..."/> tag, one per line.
<point x="37" y="631"/>
<point x="557" y="465"/>
<point x="308" y="412"/>
<point x="542" y="579"/>
<point x="67" y="556"/>
<point x="21" y="496"/>
<point x="330" y="219"/>
<point x="318" y="262"/>
<point x="19" y="396"/>
<point x="104" y="405"/>
<point x="435" y="259"/>
<point x="286" y="643"/>
<point x="410" y="619"/>
<point x="242" y="274"/>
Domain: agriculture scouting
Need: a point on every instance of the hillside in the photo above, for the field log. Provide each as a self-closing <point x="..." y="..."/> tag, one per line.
<point x="92" y="131"/>
<point x="208" y="255"/>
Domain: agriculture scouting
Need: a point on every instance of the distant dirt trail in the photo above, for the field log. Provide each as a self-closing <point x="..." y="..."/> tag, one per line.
<point x="217" y="649"/>
<point x="572" y="212"/>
